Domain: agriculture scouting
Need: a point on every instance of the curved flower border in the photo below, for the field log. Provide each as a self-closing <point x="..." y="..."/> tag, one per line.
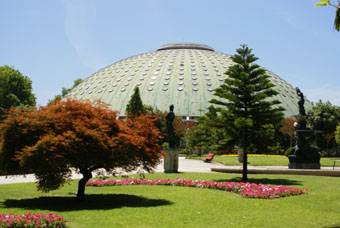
<point x="32" y="220"/>
<point x="249" y="190"/>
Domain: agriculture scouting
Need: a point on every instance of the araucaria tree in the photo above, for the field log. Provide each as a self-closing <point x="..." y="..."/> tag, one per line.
<point x="71" y="135"/>
<point x="252" y="117"/>
<point x="135" y="106"/>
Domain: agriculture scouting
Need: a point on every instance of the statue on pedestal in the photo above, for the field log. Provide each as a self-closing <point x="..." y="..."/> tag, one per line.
<point x="170" y="127"/>
<point x="304" y="155"/>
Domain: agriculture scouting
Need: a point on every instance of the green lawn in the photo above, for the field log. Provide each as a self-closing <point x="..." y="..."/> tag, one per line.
<point x="267" y="161"/>
<point x="164" y="206"/>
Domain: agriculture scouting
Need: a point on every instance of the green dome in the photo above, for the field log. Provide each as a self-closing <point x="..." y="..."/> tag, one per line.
<point x="183" y="74"/>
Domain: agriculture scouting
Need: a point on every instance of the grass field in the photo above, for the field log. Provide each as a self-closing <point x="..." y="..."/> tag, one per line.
<point x="267" y="161"/>
<point x="164" y="206"/>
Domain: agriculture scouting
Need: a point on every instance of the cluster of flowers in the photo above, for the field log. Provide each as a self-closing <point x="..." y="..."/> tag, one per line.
<point x="32" y="220"/>
<point x="249" y="190"/>
<point x="255" y="155"/>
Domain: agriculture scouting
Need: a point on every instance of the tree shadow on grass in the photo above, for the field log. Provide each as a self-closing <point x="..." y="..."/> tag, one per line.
<point x="92" y="202"/>
<point x="267" y="181"/>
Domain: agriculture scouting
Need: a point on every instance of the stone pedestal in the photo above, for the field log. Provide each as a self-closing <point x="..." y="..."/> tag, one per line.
<point x="294" y="164"/>
<point x="171" y="161"/>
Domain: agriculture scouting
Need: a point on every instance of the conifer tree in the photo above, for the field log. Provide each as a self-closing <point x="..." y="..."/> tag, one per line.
<point x="251" y="117"/>
<point x="135" y="106"/>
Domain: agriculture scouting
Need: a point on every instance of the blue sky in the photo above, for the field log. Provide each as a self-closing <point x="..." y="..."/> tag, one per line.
<point x="56" y="42"/>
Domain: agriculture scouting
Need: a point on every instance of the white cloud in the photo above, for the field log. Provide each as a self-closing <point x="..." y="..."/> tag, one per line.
<point x="79" y="17"/>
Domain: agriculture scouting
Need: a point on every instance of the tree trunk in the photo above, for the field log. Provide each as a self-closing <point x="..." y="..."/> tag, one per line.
<point x="245" y="165"/>
<point x="87" y="175"/>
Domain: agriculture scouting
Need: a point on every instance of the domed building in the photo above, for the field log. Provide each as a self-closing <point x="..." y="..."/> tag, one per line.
<point x="183" y="74"/>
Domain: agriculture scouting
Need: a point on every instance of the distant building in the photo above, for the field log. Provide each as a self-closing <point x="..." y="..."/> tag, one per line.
<point x="182" y="74"/>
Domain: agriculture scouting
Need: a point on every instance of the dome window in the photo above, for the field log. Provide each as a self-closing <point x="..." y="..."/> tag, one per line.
<point x="155" y="73"/>
<point x="209" y="84"/>
<point x="141" y="79"/>
<point x="144" y="73"/>
<point x="166" y="83"/>
<point x="165" y="89"/>
<point x="210" y="90"/>
<point x="118" y="79"/>
<point x="168" y="73"/>
<point x="180" y="89"/>
<point x="129" y="79"/>
<point x="150" y="88"/>
<point x="104" y="86"/>
<point x="111" y="90"/>
<point x="108" y="80"/>
<point x="195" y="83"/>
<point x="100" y="91"/>
<point x="181" y="73"/>
<point x="221" y="79"/>
<point x="180" y="78"/>
<point x="132" y="74"/>
<point x="167" y="78"/>
<point x="123" y="89"/>
<point x="90" y="91"/>
<point x="126" y="84"/>
<point x="139" y="83"/>
<point x="152" y="83"/>
<point x="114" y="85"/>
<point x="195" y="89"/>
<point x="194" y="73"/>
<point x="207" y="78"/>
<point x="154" y="78"/>
<point x="180" y="83"/>
<point x="194" y="78"/>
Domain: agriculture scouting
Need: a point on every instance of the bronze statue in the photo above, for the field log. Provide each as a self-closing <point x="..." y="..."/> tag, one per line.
<point x="301" y="102"/>
<point x="170" y="128"/>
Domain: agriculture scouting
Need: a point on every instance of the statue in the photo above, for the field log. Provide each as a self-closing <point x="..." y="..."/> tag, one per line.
<point x="170" y="128"/>
<point x="301" y="102"/>
<point x="304" y="155"/>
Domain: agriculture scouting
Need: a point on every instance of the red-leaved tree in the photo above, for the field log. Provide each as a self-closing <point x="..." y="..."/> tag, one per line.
<point x="72" y="135"/>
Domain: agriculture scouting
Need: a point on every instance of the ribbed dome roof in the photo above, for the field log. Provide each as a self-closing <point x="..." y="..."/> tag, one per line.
<point x="182" y="74"/>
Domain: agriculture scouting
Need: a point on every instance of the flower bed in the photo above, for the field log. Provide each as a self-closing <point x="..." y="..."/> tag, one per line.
<point x="32" y="220"/>
<point x="256" y="155"/>
<point x="248" y="190"/>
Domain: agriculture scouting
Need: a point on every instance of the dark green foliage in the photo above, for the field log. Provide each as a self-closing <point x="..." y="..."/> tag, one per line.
<point x="251" y="118"/>
<point x="337" y="19"/>
<point x="209" y="134"/>
<point x="135" y="106"/>
<point x="324" y="117"/>
<point x="15" y="89"/>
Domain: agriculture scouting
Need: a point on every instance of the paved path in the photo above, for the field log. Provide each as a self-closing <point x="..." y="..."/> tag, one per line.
<point x="185" y="165"/>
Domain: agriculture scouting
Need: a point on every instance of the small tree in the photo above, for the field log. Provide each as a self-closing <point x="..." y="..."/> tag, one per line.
<point x="251" y="116"/>
<point x="15" y="89"/>
<point x="135" y="106"/>
<point x="65" y="91"/>
<point x="288" y="128"/>
<point x="70" y="134"/>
